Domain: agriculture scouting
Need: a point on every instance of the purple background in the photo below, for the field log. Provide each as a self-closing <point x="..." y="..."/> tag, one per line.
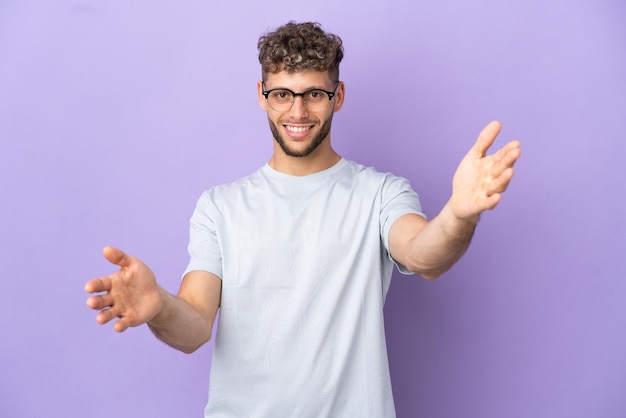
<point x="114" y="116"/>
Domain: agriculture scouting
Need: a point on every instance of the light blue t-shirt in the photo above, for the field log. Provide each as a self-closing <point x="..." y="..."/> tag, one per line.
<point x="305" y="270"/>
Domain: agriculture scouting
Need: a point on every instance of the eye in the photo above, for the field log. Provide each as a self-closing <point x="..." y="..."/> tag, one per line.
<point x="315" y="96"/>
<point x="280" y="95"/>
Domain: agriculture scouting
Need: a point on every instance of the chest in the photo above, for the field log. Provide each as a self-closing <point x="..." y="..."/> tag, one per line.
<point x="282" y="241"/>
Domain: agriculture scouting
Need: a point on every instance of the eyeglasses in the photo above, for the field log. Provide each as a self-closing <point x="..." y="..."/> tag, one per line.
<point x="282" y="99"/>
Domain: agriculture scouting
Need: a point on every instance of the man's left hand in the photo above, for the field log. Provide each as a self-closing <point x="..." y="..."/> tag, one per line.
<point x="480" y="178"/>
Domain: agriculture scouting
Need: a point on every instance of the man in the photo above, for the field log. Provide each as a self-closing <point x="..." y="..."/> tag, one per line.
<point x="298" y="256"/>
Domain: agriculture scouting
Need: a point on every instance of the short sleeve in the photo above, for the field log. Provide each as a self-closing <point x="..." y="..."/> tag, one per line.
<point x="398" y="199"/>
<point x="204" y="248"/>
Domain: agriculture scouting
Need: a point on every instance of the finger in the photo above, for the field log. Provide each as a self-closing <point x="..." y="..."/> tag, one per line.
<point x="100" y="302"/>
<point x="106" y="315"/>
<point x="492" y="201"/>
<point x="116" y="256"/>
<point x="121" y="325"/>
<point x="505" y="158"/>
<point x="501" y="183"/>
<point x="510" y="151"/>
<point x="101" y="284"/>
<point x="486" y="137"/>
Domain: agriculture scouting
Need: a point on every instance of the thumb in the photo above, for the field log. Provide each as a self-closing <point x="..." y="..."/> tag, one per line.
<point x="486" y="137"/>
<point x="116" y="256"/>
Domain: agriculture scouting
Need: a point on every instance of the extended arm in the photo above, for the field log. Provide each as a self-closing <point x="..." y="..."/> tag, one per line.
<point x="132" y="294"/>
<point x="431" y="248"/>
<point x="186" y="321"/>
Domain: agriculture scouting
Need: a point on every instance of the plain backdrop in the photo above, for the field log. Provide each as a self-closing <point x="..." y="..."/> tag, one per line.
<point x="116" y="115"/>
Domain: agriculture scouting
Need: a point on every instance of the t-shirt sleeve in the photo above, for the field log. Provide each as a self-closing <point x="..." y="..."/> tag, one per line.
<point x="398" y="198"/>
<point x="204" y="249"/>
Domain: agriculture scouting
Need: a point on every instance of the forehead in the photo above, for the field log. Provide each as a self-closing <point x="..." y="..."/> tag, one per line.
<point x="298" y="81"/>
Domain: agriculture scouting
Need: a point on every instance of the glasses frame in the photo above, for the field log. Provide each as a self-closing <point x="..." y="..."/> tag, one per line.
<point x="266" y="94"/>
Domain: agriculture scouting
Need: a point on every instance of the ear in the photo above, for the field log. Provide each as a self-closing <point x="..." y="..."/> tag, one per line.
<point x="340" y="96"/>
<point x="262" y="101"/>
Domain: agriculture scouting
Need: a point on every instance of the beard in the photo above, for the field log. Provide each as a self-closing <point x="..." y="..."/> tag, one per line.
<point x="317" y="140"/>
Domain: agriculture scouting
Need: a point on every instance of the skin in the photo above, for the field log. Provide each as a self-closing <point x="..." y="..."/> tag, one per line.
<point x="429" y="248"/>
<point x="323" y="156"/>
<point x="132" y="296"/>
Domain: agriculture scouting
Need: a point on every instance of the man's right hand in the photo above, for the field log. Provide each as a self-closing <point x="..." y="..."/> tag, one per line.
<point x="130" y="294"/>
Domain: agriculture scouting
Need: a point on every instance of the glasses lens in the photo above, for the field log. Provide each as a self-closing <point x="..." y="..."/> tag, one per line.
<point x="280" y="100"/>
<point x="316" y="100"/>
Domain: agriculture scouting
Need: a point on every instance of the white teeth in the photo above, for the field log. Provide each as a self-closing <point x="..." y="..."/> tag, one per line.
<point x="298" y="128"/>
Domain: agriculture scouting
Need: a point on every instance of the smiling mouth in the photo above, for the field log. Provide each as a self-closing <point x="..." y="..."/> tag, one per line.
<point x="298" y="129"/>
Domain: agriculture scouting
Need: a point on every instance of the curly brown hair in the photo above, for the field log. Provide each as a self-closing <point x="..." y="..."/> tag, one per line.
<point x="300" y="47"/>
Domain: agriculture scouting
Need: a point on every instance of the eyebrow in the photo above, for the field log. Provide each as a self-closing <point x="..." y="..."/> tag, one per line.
<point x="292" y="91"/>
<point x="287" y="88"/>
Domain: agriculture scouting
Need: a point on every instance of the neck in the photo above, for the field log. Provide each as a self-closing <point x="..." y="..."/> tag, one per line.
<point x="318" y="160"/>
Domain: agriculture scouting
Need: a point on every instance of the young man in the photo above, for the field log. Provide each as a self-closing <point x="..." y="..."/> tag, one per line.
<point x="298" y="256"/>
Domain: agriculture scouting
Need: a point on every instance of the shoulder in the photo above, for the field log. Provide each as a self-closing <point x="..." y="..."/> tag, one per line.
<point x="371" y="175"/>
<point x="235" y="186"/>
<point x="221" y="194"/>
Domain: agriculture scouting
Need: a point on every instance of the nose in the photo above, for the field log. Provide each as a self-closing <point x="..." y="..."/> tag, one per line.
<point x="298" y="108"/>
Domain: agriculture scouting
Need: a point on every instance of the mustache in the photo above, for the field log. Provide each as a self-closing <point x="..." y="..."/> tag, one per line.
<point x="298" y="122"/>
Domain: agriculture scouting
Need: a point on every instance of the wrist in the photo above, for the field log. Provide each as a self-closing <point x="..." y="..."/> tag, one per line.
<point x="459" y="217"/>
<point x="160" y="311"/>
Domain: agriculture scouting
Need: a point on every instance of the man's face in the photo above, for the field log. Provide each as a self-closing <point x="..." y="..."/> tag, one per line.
<point x="298" y="131"/>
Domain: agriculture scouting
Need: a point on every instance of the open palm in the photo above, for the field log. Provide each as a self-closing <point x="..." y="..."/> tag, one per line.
<point x="130" y="294"/>
<point x="480" y="178"/>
